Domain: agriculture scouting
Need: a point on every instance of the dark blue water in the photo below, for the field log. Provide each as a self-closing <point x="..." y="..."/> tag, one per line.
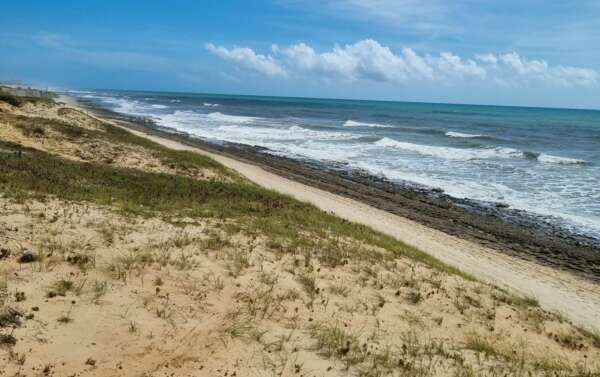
<point x="542" y="160"/>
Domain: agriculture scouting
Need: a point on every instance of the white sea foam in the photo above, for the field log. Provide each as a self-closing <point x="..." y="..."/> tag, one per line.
<point x="217" y="116"/>
<point x="461" y="135"/>
<point x="550" y="159"/>
<point x="449" y="153"/>
<point x="351" y="123"/>
<point x="247" y="130"/>
<point x="159" y="106"/>
<point x="211" y="104"/>
<point x="316" y="150"/>
<point x="125" y="106"/>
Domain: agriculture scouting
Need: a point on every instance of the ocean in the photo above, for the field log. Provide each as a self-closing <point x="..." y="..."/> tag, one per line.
<point x="545" y="161"/>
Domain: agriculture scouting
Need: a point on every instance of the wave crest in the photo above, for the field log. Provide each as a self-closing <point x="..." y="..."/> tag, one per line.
<point x="351" y="123"/>
<point x="449" y="153"/>
<point x="462" y="135"/>
<point x="550" y="159"/>
<point x="217" y="116"/>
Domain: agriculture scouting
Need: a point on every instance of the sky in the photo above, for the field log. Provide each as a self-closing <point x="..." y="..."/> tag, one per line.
<point x="509" y="52"/>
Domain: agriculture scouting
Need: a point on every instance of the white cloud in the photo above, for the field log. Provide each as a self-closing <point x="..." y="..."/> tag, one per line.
<point x="369" y="60"/>
<point x="487" y="58"/>
<point x="542" y="71"/>
<point x="365" y="59"/>
<point x="417" y="64"/>
<point x="523" y="66"/>
<point x="452" y="64"/>
<point x="247" y="58"/>
<point x="566" y="76"/>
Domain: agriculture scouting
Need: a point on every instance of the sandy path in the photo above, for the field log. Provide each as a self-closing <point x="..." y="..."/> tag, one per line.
<point x="558" y="291"/>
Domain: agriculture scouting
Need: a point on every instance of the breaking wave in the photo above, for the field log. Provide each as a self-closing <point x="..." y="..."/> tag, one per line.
<point x="462" y="135"/>
<point x="351" y="123"/>
<point x="550" y="159"/>
<point x="449" y="153"/>
<point x="230" y="118"/>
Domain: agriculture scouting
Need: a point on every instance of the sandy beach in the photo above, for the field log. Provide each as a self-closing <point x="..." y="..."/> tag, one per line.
<point x="127" y="253"/>
<point x="283" y="188"/>
<point x="574" y="297"/>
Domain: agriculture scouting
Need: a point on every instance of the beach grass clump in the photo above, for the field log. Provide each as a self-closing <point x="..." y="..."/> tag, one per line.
<point x="481" y="344"/>
<point x="515" y="300"/>
<point x="9" y="317"/>
<point x="333" y="341"/>
<point x="60" y="288"/>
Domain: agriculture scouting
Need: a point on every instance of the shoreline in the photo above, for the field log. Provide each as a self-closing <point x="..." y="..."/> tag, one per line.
<point x="191" y="262"/>
<point x="559" y="290"/>
<point x="491" y="225"/>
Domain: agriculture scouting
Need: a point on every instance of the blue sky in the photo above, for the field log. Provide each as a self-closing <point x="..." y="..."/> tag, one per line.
<point x="542" y="53"/>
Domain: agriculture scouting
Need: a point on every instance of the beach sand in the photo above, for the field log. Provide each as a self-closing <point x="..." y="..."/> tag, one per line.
<point x="574" y="297"/>
<point x="96" y="288"/>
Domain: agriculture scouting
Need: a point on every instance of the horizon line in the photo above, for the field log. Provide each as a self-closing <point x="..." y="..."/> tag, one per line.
<point x="330" y="98"/>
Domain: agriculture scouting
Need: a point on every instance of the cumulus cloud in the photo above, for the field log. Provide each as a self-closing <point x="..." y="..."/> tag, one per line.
<point x="523" y="66"/>
<point x="451" y="64"/>
<point x="247" y="58"/>
<point x="365" y="59"/>
<point x="518" y="68"/>
<point x="369" y="60"/>
<point x="487" y="58"/>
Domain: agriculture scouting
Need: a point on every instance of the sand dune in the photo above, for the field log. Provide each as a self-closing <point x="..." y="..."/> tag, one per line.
<point x="190" y="269"/>
<point x="558" y="291"/>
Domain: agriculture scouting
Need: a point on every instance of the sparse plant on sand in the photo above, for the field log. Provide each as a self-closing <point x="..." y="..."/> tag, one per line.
<point x="60" y="288"/>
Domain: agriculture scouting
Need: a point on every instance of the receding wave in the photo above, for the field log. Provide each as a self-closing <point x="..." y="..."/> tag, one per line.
<point x="550" y="159"/>
<point x="462" y="135"/>
<point x="230" y="118"/>
<point x="211" y="104"/>
<point x="449" y="153"/>
<point x="352" y="123"/>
